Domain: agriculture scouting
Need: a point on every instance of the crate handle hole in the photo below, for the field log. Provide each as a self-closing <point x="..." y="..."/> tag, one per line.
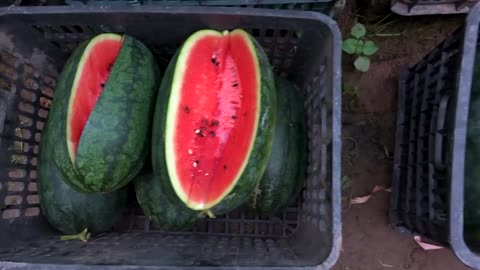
<point x="66" y="29"/>
<point x="78" y="28"/>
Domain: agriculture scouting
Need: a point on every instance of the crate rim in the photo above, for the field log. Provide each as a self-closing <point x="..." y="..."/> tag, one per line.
<point x="214" y="10"/>
<point x="336" y="229"/>
<point x="462" y="251"/>
<point x="237" y="2"/>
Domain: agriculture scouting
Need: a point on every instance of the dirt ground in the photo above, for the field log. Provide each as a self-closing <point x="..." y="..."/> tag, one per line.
<point x="369" y="241"/>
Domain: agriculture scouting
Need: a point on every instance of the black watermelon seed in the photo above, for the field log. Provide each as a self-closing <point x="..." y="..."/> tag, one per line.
<point x="215" y="123"/>
<point x="234" y="117"/>
<point x="186" y="109"/>
<point x="224" y="166"/>
<point x="235" y="84"/>
<point x="102" y="85"/>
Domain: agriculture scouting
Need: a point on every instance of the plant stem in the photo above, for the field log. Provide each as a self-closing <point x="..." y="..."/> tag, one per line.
<point x="83" y="236"/>
<point x="387" y="34"/>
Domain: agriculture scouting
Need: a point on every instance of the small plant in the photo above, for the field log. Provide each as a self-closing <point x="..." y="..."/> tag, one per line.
<point x="359" y="46"/>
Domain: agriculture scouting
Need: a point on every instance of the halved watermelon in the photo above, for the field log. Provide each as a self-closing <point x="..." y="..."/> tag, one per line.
<point x="102" y="112"/>
<point x="213" y="125"/>
<point x="91" y="76"/>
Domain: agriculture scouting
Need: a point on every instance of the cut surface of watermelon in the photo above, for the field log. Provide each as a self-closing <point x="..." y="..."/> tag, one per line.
<point x="90" y="79"/>
<point x="212" y="116"/>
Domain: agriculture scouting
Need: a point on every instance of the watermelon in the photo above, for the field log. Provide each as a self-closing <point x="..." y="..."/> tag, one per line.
<point x="214" y="121"/>
<point x="472" y="168"/>
<point x="66" y="209"/>
<point x="285" y="172"/>
<point x="102" y="111"/>
<point x="167" y="213"/>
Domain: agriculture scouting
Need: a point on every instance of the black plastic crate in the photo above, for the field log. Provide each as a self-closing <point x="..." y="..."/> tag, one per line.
<point x="302" y="46"/>
<point x="420" y="186"/>
<point x="433" y="102"/>
<point x="428" y="7"/>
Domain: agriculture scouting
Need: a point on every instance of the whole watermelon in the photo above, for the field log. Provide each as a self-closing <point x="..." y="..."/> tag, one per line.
<point x="285" y="173"/>
<point x="67" y="209"/>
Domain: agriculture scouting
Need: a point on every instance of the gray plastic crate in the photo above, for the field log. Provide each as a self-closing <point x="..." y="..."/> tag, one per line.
<point x="302" y="46"/>
<point x="467" y="253"/>
<point x="429" y="7"/>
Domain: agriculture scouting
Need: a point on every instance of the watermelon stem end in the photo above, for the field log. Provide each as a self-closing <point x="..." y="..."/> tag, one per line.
<point x="83" y="236"/>
<point x="205" y="213"/>
<point x="256" y="192"/>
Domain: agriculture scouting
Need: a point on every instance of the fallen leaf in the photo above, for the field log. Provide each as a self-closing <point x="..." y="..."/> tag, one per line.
<point x="377" y="189"/>
<point x="384" y="265"/>
<point x="360" y="200"/>
<point x="426" y="246"/>
<point x="364" y="199"/>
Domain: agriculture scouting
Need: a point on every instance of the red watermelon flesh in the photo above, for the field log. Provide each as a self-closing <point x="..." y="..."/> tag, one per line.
<point x="90" y="79"/>
<point x="216" y="116"/>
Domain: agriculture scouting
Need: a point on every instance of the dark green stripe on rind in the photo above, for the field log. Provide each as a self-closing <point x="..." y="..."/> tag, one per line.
<point x="113" y="144"/>
<point x="260" y="152"/>
<point x="284" y="176"/>
<point x="66" y="209"/>
<point x="163" y="212"/>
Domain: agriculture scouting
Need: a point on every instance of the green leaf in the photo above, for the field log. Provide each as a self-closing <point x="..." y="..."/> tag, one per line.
<point x="359" y="48"/>
<point x="362" y="63"/>
<point x="346" y="182"/>
<point x="358" y="30"/>
<point x="369" y="48"/>
<point x="350" y="45"/>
